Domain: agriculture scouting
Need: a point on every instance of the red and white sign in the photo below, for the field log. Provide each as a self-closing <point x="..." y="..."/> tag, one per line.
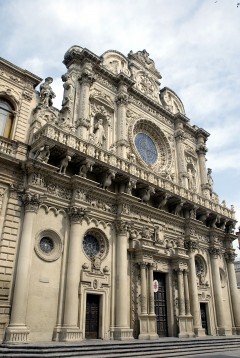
<point x="155" y="285"/>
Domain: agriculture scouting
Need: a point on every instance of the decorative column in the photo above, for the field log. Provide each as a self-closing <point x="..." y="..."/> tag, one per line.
<point x="201" y="151"/>
<point x="70" y="329"/>
<point x="122" y="101"/>
<point x="143" y="317"/>
<point x="152" y="326"/>
<point x="17" y="331"/>
<point x="179" y="138"/>
<point x="86" y="80"/>
<point x="189" y="319"/>
<point x="217" y="289"/>
<point x="230" y="257"/>
<point x="181" y="305"/>
<point x="122" y="330"/>
<point x="181" y="301"/>
<point x="194" y="302"/>
<point x="186" y="293"/>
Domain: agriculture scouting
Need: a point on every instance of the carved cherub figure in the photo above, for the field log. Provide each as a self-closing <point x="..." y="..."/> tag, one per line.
<point x="64" y="164"/>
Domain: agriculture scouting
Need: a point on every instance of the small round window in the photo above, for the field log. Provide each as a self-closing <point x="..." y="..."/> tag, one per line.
<point x="46" y="244"/>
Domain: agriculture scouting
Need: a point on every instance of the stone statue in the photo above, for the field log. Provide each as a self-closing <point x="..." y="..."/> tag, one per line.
<point x="209" y="178"/>
<point x="191" y="179"/>
<point x="99" y="133"/>
<point x="46" y="93"/>
<point x="85" y="168"/>
<point x="130" y="185"/>
<point x="42" y="154"/>
<point x="67" y="102"/>
<point x="64" y="164"/>
<point x="107" y="179"/>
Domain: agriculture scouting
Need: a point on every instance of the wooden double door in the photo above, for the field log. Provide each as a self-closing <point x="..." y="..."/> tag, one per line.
<point x="92" y="316"/>
<point x="161" y="304"/>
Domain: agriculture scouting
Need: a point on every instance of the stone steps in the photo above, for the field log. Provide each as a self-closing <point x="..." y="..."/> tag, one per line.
<point x="161" y="348"/>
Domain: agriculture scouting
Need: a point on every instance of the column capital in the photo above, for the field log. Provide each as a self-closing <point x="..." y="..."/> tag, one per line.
<point x="143" y="265"/>
<point x="76" y="213"/>
<point x="191" y="245"/>
<point x="87" y="78"/>
<point x="31" y="201"/>
<point x="122" y="99"/>
<point x="179" y="270"/>
<point x="179" y="134"/>
<point x="121" y="226"/>
<point x="230" y="256"/>
<point x="214" y="252"/>
<point x="201" y="148"/>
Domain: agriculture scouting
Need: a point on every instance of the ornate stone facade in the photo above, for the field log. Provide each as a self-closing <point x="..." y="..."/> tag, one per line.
<point x="109" y="224"/>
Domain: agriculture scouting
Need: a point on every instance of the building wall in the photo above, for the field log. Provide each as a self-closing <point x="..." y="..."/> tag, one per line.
<point x="105" y="202"/>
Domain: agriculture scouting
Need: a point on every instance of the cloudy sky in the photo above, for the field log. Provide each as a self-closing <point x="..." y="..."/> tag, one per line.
<point x="195" y="45"/>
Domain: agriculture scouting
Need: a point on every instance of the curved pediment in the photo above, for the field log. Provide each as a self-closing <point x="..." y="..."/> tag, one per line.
<point x="115" y="62"/>
<point x="171" y="101"/>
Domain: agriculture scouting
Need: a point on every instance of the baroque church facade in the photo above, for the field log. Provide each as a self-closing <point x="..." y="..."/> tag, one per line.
<point x="109" y="224"/>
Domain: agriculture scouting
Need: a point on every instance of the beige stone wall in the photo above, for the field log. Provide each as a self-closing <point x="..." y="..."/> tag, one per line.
<point x="85" y="174"/>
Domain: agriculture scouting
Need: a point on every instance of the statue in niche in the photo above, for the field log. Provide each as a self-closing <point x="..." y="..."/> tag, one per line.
<point x="64" y="164"/>
<point x="209" y="178"/>
<point x="99" y="133"/>
<point x="46" y="93"/>
<point x="42" y="154"/>
<point x="191" y="173"/>
<point x="158" y="234"/>
<point x="191" y="179"/>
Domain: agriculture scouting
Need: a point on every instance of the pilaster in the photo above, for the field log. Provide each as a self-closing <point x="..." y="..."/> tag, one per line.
<point x="17" y="331"/>
<point x="122" y="102"/>
<point x="230" y="257"/>
<point x="122" y="330"/>
<point x="70" y="330"/>
<point x="215" y="253"/>
<point x="194" y="302"/>
<point x="86" y="80"/>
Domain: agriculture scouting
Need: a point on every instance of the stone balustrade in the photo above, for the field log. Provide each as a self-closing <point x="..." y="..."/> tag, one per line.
<point x="76" y="144"/>
<point x="7" y="146"/>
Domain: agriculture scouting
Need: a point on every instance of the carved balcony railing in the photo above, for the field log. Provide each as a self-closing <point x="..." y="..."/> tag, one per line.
<point x="12" y="150"/>
<point x="51" y="133"/>
<point x="8" y="147"/>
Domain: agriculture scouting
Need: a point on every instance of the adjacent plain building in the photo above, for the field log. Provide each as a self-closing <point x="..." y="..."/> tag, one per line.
<point x="109" y="224"/>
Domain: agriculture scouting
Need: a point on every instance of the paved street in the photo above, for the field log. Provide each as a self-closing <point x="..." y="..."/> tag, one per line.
<point x="227" y="354"/>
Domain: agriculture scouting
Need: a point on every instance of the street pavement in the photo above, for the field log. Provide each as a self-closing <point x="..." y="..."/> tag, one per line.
<point x="227" y="354"/>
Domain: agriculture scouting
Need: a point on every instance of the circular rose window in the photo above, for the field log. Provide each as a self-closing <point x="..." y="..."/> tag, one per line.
<point x="146" y="148"/>
<point x="91" y="245"/>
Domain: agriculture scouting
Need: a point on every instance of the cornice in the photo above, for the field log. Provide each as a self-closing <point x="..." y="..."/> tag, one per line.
<point x="24" y="74"/>
<point x="80" y="56"/>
